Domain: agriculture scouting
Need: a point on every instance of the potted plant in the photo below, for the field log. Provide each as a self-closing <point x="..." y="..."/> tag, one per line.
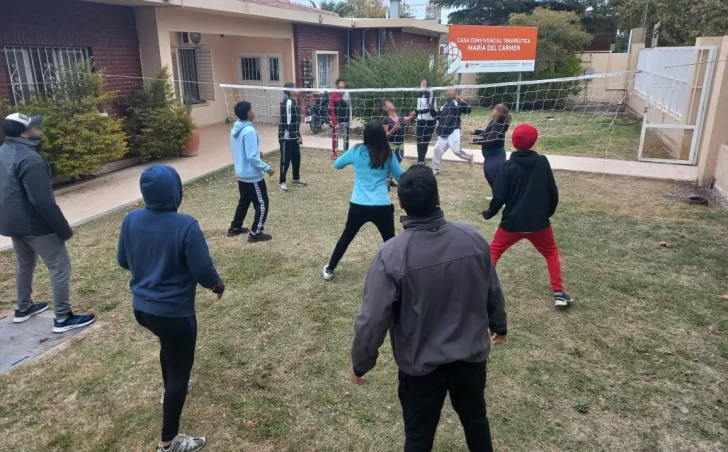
<point x="192" y="148"/>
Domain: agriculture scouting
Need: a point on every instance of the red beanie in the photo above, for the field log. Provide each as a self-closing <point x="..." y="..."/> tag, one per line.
<point x="524" y="137"/>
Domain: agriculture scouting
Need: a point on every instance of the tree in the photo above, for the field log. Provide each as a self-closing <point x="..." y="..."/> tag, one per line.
<point x="373" y="9"/>
<point x="341" y="8"/>
<point x="681" y="21"/>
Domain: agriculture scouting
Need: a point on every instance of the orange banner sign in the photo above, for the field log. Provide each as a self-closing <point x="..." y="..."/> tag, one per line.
<point x="476" y="48"/>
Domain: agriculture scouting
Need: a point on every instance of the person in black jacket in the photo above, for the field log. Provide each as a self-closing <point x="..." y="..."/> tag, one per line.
<point x="426" y="114"/>
<point x="492" y="140"/>
<point x="448" y="129"/>
<point x="527" y="187"/>
<point x="289" y="138"/>
<point x="30" y="216"/>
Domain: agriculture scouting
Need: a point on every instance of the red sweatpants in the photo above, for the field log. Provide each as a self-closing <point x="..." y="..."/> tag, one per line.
<point x="544" y="242"/>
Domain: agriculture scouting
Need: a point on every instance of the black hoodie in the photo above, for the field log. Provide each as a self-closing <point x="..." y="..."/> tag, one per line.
<point x="527" y="187"/>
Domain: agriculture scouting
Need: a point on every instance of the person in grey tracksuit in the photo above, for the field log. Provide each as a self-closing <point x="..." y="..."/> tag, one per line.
<point x="30" y="216"/>
<point x="436" y="291"/>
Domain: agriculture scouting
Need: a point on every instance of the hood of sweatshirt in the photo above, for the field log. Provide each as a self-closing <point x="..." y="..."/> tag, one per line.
<point x="239" y="126"/>
<point x="526" y="159"/>
<point x="161" y="188"/>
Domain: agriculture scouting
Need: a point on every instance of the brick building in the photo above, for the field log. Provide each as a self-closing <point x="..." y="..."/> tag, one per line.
<point x="40" y="38"/>
<point x="205" y="44"/>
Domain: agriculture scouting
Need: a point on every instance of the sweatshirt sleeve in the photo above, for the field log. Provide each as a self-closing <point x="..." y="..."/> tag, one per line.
<point x="464" y="108"/>
<point x="252" y="151"/>
<point x="34" y="176"/>
<point x="347" y="158"/>
<point x="374" y="318"/>
<point x="198" y="257"/>
<point x="496" y="305"/>
<point x="121" y="248"/>
<point x="500" y="192"/>
<point x="553" y="190"/>
<point x="396" y="168"/>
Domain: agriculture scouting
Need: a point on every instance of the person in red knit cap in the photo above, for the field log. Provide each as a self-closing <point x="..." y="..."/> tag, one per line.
<point x="527" y="187"/>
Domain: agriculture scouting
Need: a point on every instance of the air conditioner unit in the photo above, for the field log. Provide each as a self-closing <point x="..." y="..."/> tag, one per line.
<point x="187" y="38"/>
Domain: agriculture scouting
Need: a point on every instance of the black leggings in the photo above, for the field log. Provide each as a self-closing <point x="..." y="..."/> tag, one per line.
<point x="177" y="337"/>
<point x="359" y="215"/>
<point x="257" y="194"/>
<point x="492" y="166"/>
<point x="425" y="130"/>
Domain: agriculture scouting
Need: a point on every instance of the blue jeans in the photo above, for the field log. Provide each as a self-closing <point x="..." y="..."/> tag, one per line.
<point x="492" y="166"/>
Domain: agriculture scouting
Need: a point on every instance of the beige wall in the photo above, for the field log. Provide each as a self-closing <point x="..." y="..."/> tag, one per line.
<point x="158" y="28"/>
<point x="715" y="129"/>
<point x="608" y="90"/>
<point x="721" y="170"/>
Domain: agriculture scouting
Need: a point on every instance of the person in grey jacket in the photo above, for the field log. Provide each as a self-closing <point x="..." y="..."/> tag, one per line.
<point x="34" y="222"/>
<point x="435" y="289"/>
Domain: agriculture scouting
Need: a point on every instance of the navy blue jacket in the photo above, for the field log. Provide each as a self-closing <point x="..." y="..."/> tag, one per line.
<point x="27" y="205"/>
<point x="165" y="251"/>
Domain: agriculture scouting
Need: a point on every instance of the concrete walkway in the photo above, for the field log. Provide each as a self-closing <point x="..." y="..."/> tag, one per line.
<point x="84" y="202"/>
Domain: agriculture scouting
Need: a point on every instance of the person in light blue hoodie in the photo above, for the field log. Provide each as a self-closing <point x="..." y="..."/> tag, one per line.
<point x="250" y="170"/>
<point x="372" y="162"/>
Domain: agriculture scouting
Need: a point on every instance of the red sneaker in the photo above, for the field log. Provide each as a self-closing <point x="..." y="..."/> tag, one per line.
<point x="333" y="156"/>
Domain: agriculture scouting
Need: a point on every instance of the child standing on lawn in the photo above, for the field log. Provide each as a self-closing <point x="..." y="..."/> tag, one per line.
<point x="527" y="187"/>
<point x="493" y="139"/>
<point x="249" y="169"/>
<point x="167" y="255"/>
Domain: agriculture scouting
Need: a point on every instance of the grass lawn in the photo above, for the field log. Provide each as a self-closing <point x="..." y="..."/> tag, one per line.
<point x="573" y="133"/>
<point x="639" y="363"/>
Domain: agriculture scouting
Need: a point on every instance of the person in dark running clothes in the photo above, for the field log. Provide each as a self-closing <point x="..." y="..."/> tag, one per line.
<point x="167" y="255"/>
<point x="492" y="140"/>
<point x="289" y="138"/>
<point x="435" y="290"/>
<point x="527" y="187"/>
<point x="340" y="112"/>
<point x="426" y="119"/>
<point x="395" y="126"/>
<point x="372" y="162"/>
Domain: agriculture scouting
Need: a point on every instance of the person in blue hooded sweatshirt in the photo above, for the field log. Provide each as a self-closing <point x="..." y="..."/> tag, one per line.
<point x="167" y="255"/>
<point x="250" y="170"/>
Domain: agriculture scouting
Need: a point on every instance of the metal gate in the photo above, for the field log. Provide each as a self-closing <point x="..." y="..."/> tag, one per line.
<point x="674" y="84"/>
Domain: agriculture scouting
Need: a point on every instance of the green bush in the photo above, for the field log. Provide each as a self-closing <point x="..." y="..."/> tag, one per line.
<point x="402" y="68"/>
<point x="77" y="138"/>
<point x="157" y="125"/>
<point x="560" y="37"/>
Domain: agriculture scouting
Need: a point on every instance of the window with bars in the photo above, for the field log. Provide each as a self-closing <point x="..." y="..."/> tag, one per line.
<point x="195" y="75"/>
<point x="251" y="68"/>
<point x="274" y="69"/>
<point x="39" y="70"/>
<point x="382" y="41"/>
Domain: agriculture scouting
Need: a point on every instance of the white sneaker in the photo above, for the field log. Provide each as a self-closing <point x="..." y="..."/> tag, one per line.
<point x="189" y="386"/>
<point x="283" y="187"/>
<point x="300" y="182"/>
<point x="328" y="274"/>
<point x="471" y="161"/>
<point x="184" y="443"/>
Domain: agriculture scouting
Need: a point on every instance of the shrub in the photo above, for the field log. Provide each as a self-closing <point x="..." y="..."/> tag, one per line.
<point x="560" y="37"/>
<point x="402" y="68"/>
<point x="77" y="138"/>
<point x="157" y="125"/>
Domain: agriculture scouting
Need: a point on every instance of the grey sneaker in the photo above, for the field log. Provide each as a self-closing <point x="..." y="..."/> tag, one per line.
<point x="300" y="182"/>
<point x="184" y="443"/>
<point x="189" y="387"/>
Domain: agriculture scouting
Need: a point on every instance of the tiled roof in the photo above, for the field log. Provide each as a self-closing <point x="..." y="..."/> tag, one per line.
<point x="286" y="4"/>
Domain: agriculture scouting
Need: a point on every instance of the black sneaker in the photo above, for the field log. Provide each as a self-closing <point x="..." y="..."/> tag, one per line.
<point x="35" y="308"/>
<point x="393" y="183"/>
<point x="232" y="232"/>
<point x="259" y="237"/>
<point x="562" y="299"/>
<point x="72" y="322"/>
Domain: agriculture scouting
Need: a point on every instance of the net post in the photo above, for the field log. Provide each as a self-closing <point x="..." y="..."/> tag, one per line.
<point x="518" y="92"/>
